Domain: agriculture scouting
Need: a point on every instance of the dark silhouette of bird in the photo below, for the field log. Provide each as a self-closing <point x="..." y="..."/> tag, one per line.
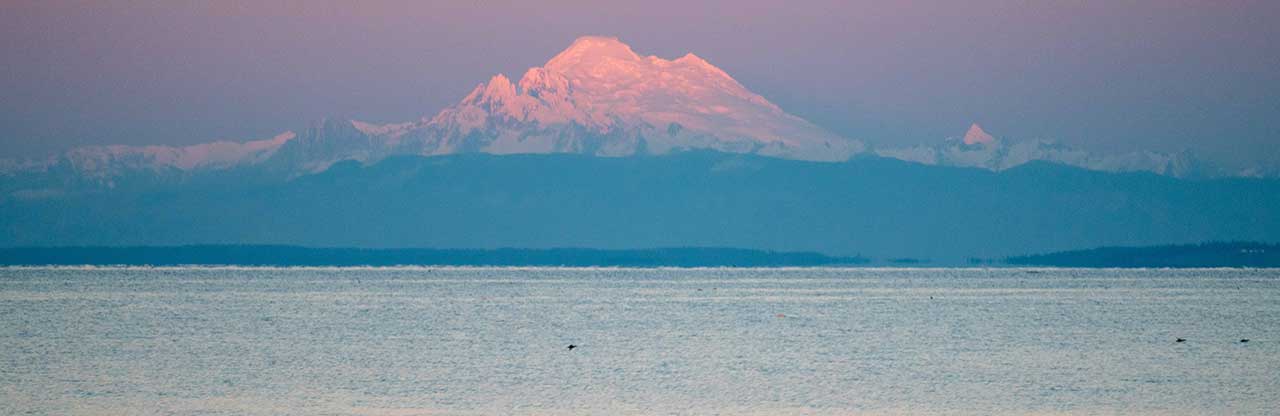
<point x="1244" y="340"/>
<point x="1181" y="340"/>
<point x="571" y="347"/>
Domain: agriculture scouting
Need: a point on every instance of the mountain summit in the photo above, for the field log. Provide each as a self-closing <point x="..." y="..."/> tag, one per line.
<point x="599" y="97"/>
<point x="976" y="135"/>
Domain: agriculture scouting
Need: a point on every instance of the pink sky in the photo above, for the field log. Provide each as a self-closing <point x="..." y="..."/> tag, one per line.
<point x="1165" y="75"/>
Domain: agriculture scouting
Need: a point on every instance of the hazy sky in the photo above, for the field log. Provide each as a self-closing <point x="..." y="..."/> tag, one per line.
<point x="1108" y="75"/>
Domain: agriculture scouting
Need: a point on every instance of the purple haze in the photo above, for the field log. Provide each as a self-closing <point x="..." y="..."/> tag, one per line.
<point x="1163" y="75"/>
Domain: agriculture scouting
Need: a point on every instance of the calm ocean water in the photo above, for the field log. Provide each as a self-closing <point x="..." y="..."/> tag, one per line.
<point x="229" y="341"/>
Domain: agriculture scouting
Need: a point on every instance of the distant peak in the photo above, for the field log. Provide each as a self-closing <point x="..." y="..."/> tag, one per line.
<point x="598" y="43"/>
<point x="690" y="57"/>
<point x="499" y="88"/>
<point x="590" y="48"/>
<point x="697" y="61"/>
<point x="976" y="135"/>
<point x="499" y="85"/>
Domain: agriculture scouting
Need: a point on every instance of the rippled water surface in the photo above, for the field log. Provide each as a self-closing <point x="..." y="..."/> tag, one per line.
<point x="216" y="341"/>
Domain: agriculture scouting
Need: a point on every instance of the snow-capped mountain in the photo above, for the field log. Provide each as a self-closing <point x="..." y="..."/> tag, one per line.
<point x="977" y="136"/>
<point x="102" y="165"/>
<point x="598" y="97"/>
<point x="979" y="149"/>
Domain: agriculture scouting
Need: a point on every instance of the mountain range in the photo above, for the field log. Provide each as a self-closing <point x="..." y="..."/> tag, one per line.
<point x="597" y="97"/>
<point x="603" y="148"/>
<point x="979" y="149"/>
